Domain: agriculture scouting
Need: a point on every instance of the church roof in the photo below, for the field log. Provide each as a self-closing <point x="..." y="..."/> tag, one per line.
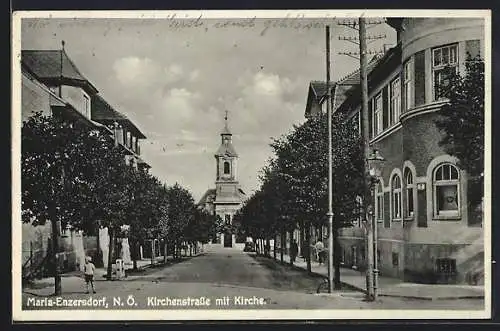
<point x="226" y="149"/>
<point x="208" y="197"/>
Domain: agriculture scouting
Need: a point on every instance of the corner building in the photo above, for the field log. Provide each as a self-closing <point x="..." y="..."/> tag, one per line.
<point x="427" y="231"/>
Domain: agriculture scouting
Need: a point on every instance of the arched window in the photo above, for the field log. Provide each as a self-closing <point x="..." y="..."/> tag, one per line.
<point x="396" y="197"/>
<point x="446" y="190"/>
<point x="227" y="169"/>
<point x="379" y="206"/>
<point x="409" y="193"/>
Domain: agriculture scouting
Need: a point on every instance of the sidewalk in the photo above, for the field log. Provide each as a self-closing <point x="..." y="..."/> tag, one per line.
<point x="73" y="282"/>
<point x="393" y="287"/>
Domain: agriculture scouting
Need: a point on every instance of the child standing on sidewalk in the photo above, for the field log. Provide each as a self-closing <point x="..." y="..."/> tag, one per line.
<point x="88" y="270"/>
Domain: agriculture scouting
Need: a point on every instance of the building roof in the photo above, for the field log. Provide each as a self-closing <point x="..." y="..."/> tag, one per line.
<point x="54" y="66"/>
<point x="226" y="149"/>
<point x="208" y="197"/>
<point x="339" y="90"/>
<point x="103" y="112"/>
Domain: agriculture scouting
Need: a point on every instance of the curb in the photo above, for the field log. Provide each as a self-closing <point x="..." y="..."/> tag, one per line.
<point x="362" y="290"/>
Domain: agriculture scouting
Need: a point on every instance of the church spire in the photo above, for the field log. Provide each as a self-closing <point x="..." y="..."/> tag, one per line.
<point x="226" y="130"/>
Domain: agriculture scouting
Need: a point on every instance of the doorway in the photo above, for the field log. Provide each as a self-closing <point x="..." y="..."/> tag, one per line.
<point x="228" y="240"/>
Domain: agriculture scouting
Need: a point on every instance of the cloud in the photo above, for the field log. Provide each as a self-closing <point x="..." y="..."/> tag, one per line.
<point x="173" y="73"/>
<point x="134" y="71"/>
<point x="179" y="104"/>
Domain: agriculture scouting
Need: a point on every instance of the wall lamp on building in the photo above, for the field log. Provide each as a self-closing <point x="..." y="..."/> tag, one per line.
<point x="375" y="161"/>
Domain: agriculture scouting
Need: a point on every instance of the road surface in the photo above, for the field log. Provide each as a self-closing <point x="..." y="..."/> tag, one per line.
<point x="223" y="278"/>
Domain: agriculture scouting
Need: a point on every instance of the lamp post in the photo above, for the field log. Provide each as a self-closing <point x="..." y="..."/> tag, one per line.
<point x="374" y="161"/>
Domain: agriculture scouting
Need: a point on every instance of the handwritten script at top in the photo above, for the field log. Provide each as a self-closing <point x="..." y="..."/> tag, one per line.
<point x="176" y="22"/>
<point x="287" y="22"/>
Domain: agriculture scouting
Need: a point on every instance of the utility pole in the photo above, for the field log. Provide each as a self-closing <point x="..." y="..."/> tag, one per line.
<point x="366" y="150"/>
<point x="330" y="175"/>
<point x="370" y="227"/>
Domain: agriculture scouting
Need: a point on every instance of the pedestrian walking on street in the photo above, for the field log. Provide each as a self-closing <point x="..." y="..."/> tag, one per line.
<point x="294" y="250"/>
<point x="320" y="248"/>
<point x="89" y="269"/>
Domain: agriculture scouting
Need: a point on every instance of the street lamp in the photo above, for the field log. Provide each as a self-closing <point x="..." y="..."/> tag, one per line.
<point x="375" y="160"/>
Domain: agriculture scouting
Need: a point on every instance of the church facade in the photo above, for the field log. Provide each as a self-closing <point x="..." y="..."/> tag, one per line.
<point x="227" y="197"/>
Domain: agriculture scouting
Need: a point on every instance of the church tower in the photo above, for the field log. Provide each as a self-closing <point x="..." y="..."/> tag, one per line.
<point x="228" y="195"/>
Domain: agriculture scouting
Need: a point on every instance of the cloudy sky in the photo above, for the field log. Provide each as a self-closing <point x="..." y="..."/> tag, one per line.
<point x="176" y="82"/>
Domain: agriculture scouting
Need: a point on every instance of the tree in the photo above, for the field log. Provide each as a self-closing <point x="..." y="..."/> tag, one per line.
<point x="462" y="122"/>
<point x="179" y="214"/>
<point x="55" y="157"/>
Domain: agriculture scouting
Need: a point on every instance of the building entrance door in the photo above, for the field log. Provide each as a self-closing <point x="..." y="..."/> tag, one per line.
<point x="228" y="240"/>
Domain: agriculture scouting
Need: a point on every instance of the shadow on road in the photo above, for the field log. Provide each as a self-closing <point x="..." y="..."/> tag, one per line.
<point x="290" y="278"/>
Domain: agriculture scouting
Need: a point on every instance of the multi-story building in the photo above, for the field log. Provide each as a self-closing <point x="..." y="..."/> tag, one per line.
<point x="52" y="84"/>
<point x="427" y="230"/>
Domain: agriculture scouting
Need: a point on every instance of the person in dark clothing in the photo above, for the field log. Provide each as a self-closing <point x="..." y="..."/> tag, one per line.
<point x="294" y="250"/>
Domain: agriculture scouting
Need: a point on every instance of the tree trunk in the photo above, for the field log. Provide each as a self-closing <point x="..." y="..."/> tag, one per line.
<point x="55" y="254"/>
<point x="268" y="247"/>
<point x="134" y="252"/>
<point x="98" y="256"/>
<point x="165" y="251"/>
<point x="308" y="246"/>
<point x="336" y="258"/>
<point x="111" y="251"/>
<point x="282" y="245"/>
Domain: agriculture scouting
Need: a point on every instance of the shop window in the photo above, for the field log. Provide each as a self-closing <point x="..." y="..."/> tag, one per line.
<point x="446" y="190"/>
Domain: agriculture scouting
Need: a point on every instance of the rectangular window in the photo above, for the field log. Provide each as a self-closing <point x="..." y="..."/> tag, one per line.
<point x="395" y="259"/>
<point x="408" y="85"/>
<point x="377" y="121"/>
<point x="444" y="64"/>
<point x="86" y="105"/>
<point x="395" y="91"/>
<point x="227" y="218"/>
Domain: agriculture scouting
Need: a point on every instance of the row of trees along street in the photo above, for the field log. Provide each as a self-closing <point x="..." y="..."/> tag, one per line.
<point x="294" y="184"/>
<point x="294" y="188"/>
<point x="76" y="176"/>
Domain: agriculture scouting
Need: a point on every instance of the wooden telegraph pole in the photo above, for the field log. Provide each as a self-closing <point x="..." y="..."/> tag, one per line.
<point x="370" y="227"/>
<point x="330" y="175"/>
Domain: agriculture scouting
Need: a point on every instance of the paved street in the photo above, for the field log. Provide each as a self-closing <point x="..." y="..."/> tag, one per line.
<point x="226" y="278"/>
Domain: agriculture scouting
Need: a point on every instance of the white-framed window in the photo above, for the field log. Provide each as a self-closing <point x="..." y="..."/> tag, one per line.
<point x="396" y="197"/>
<point x="379" y="205"/>
<point x="86" y="105"/>
<point x="409" y="193"/>
<point x="446" y="187"/>
<point x="395" y="92"/>
<point x="444" y="58"/>
<point x="377" y="122"/>
<point x="408" y="84"/>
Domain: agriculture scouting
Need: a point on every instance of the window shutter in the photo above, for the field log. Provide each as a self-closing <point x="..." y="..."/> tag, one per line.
<point x="419" y="66"/>
<point x="370" y="119"/>
<point x="385" y="107"/>
<point x="472" y="48"/>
